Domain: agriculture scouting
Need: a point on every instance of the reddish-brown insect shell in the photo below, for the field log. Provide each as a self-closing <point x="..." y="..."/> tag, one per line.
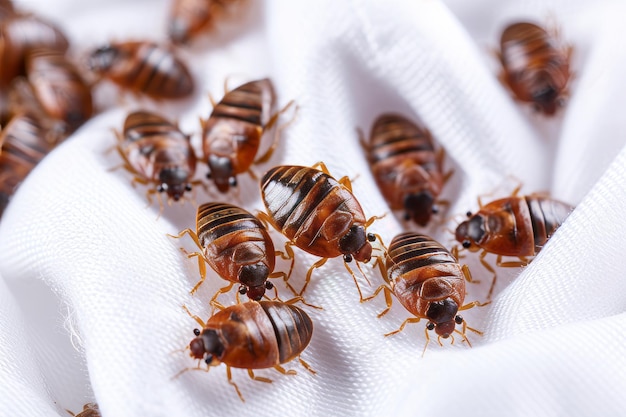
<point x="427" y="280"/>
<point x="535" y="66"/>
<point x="513" y="226"/>
<point x="89" y="410"/>
<point x="317" y="213"/>
<point x="21" y="34"/>
<point x="157" y="152"/>
<point x="23" y="145"/>
<point x="253" y="335"/>
<point x="232" y="134"/>
<point x="237" y="246"/>
<point x="143" y="67"/>
<point x="190" y="18"/>
<point x="403" y="160"/>
<point x="59" y="88"/>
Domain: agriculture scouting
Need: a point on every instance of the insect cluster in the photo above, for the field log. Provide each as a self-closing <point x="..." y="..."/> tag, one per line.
<point x="48" y="99"/>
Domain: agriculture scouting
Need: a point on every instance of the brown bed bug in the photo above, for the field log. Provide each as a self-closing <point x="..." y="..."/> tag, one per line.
<point x="21" y="34"/>
<point x="407" y="170"/>
<point x="22" y="145"/>
<point x="253" y="335"/>
<point x="143" y="67"/>
<point x="429" y="282"/>
<point x="318" y="214"/>
<point x="517" y="226"/>
<point x="156" y="152"/>
<point x="190" y="18"/>
<point x="535" y="66"/>
<point x="237" y="246"/>
<point x="89" y="410"/>
<point x="232" y="134"/>
<point x="59" y="87"/>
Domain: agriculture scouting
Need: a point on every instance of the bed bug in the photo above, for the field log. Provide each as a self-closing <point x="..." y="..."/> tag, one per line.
<point x="237" y="246"/>
<point x="429" y="282"/>
<point x="89" y="410"/>
<point x="535" y="66"/>
<point x="253" y="335"/>
<point x="232" y="134"/>
<point x="143" y="67"/>
<point x="517" y="226"/>
<point x="22" y="146"/>
<point x="21" y="34"/>
<point x="189" y="18"/>
<point x="59" y="87"/>
<point x="158" y="153"/>
<point x="318" y="214"/>
<point x="406" y="168"/>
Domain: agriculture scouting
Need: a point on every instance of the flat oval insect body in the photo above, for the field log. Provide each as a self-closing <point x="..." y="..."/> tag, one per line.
<point x="189" y="18"/>
<point x="407" y="170"/>
<point x="317" y="213"/>
<point x="232" y="134"/>
<point x="23" y="145"/>
<point x="59" y="87"/>
<point x="253" y="335"/>
<point x="513" y="226"/>
<point x="22" y="34"/>
<point x="427" y="280"/>
<point x="237" y="246"/>
<point x="143" y="67"/>
<point x="157" y="152"/>
<point x="89" y="410"/>
<point x="535" y="66"/>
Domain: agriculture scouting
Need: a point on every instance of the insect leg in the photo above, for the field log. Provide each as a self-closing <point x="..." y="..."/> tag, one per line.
<point x="220" y="292"/>
<point x="229" y="375"/>
<point x="268" y="154"/>
<point x="388" y="299"/>
<point x="306" y="365"/>
<point x="468" y="275"/>
<point x="258" y="378"/>
<point x="285" y="371"/>
<point x="403" y="325"/>
<point x="489" y="268"/>
<point x="310" y="272"/>
<point x="511" y="264"/>
<point x="193" y="316"/>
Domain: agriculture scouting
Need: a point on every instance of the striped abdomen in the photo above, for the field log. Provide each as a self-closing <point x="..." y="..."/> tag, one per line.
<point x="404" y="164"/>
<point x="236" y="245"/>
<point x="546" y="216"/>
<point x="315" y="212"/>
<point x="21" y="34"/>
<point x="256" y="335"/>
<point x="158" y="151"/>
<point x="426" y="279"/>
<point x="535" y="67"/>
<point x="232" y="134"/>
<point x="23" y="146"/>
<point x="59" y="88"/>
<point x="143" y="67"/>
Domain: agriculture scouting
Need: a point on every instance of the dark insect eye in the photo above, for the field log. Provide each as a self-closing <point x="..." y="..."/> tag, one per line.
<point x="232" y="181"/>
<point x="208" y="359"/>
<point x="430" y="325"/>
<point x="269" y="285"/>
<point x="196" y="332"/>
<point x="371" y="237"/>
<point x="467" y="244"/>
<point x="188" y="187"/>
<point x="347" y="258"/>
<point x="468" y="214"/>
<point x="458" y="319"/>
<point x="242" y="290"/>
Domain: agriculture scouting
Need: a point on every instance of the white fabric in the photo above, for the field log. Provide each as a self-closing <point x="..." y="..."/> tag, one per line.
<point x="92" y="289"/>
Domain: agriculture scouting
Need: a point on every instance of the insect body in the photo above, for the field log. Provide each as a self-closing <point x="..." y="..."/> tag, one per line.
<point x="158" y="153"/>
<point x="89" y="410"/>
<point x="59" y="88"/>
<point x="21" y="34"/>
<point x="405" y="166"/>
<point x="143" y="67"/>
<point x="253" y="335"/>
<point x="22" y="146"/>
<point x="428" y="281"/>
<point x="317" y="213"/>
<point x="514" y="226"/>
<point x="189" y="18"/>
<point x="237" y="246"/>
<point x="232" y="134"/>
<point x="535" y="66"/>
